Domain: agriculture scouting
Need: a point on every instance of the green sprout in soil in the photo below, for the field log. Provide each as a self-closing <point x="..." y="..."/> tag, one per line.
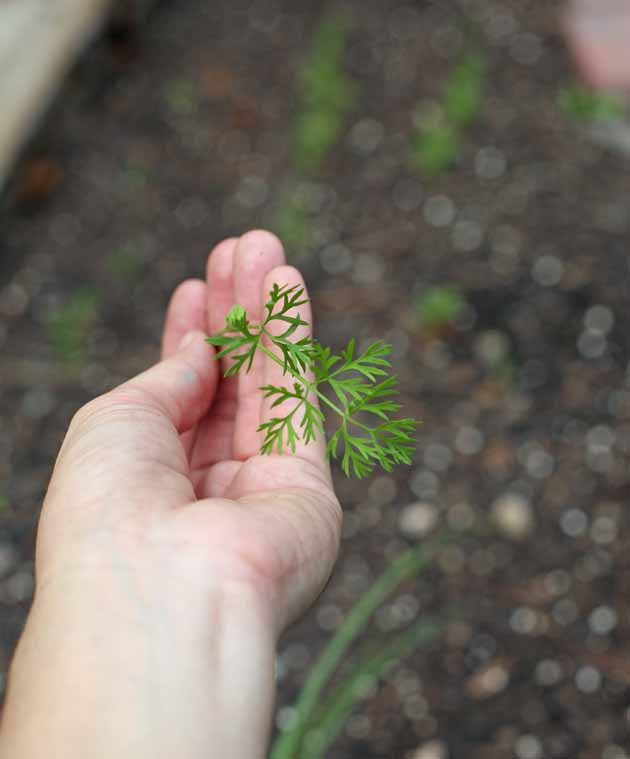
<point x="587" y="106"/>
<point x="293" y="222"/>
<point x="125" y="263"/>
<point x="324" y="706"/>
<point x="361" y="387"/>
<point x="181" y="96"/>
<point x="439" y="307"/>
<point x="437" y="142"/>
<point x="70" y="325"/>
<point x="327" y="94"/>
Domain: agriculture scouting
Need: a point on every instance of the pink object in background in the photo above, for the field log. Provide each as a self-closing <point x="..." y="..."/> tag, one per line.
<point x="599" y="34"/>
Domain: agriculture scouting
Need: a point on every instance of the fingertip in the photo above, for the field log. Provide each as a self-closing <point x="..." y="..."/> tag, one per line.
<point x="284" y="275"/>
<point x="219" y="264"/>
<point x="186" y="311"/>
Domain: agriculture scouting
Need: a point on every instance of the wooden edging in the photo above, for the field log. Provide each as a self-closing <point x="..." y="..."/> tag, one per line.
<point x="39" y="41"/>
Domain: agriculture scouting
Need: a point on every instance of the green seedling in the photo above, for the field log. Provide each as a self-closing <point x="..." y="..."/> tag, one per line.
<point x="436" y="148"/>
<point x="361" y="387"/>
<point x="588" y="106"/>
<point x="181" y="96"/>
<point x="293" y="223"/>
<point x="463" y="98"/>
<point x="436" y="144"/>
<point x="319" y="715"/>
<point x="327" y="95"/>
<point x="70" y="325"/>
<point x="439" y="307"/>
<point x="125" y="263"/>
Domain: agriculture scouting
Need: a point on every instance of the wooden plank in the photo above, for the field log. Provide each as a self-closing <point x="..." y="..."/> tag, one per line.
<point x="39" y="41"/>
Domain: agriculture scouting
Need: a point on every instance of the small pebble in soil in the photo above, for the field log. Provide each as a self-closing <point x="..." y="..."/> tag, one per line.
<point x="417" y="519"/>
<point x="432" y="750"/>
<point x="439" y="211"/>
<point x="490" y="163"/>
<point x="491" y="348"/>
<point x="461" y="516"/>
<point x="9" y="558"/>
<point x="565" y="612"/>
<point x="489" y="681"/>
<point x="574" y="522"/>
<point x="329" y="617"/>
<point x="599" y="319"/>
<point x="548" y="672"/>
<point x="526" y="48"/>
<point x="602" y="620"/>
<point x="547" y="270"/>
<point x="528" y="747"/>
<point x="513" y="515"/>
<point x="19" y="586"/>
<point x="437" y="457"/>
<point x="382" y="490"/>
<point x="524" y="620"/>
<point x="468" y="441"/>
<point x="365" y="136"/>
<point x="368" y="269"/>
<point x="591" y="345"/>
<point x="424" y="483"/>
<point x="467" y="236"/>
<point x="335" y="259"/>
<point x="588" y="679"/>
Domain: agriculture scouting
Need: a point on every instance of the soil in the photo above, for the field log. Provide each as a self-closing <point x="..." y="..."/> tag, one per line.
<point x="170" y="137"/>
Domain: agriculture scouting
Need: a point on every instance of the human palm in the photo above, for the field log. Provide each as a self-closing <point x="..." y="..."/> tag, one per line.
<point x="168" y="463"/>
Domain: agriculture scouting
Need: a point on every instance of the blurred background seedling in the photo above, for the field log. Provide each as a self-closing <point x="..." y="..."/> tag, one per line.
<point x="437" y="141"/>
<point x="293" y="222"/>
<point x="326" y="701"/>
<point x="181" y="96"/>
<point x="326" y="96"/>
<point x="125" y="264"/>
<point x="587" y="106"/>
<point x="68" y="328"/>
<point x="438" y="308"/>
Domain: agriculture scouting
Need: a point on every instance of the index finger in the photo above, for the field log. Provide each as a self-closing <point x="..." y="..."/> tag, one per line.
<point x="314" y="451"/>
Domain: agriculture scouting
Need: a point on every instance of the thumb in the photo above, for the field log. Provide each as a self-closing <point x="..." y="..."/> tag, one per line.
<point x="127" y="443"/>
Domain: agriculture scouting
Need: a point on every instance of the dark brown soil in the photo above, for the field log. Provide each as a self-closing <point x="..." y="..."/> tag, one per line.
<point x="171" y="137"/>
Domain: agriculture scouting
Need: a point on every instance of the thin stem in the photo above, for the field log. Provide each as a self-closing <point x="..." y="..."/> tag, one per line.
<point x="313" y="388"/>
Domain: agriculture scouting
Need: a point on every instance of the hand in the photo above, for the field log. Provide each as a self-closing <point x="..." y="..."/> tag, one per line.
<point x="165" y="531"/>
<point x="599" y="33"/>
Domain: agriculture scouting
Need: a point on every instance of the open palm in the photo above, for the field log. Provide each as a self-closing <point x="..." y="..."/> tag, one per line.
<point x="283" y="516"/>
<point x="171" y="459"/>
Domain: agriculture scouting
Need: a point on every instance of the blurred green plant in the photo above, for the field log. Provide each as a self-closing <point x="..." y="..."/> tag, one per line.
<point x="125" y="263"/>
<point x="4" y="501"/>
<point x="292" y="221"/>
<point x="436" y="143"/>
<point x="585" y="105"/>
<point x="438" y="307"/>
<point x="181" y="96"/>
<point x="327" y="95"/>
<point x="318" y="717"/>
<point x="69" y="327"/>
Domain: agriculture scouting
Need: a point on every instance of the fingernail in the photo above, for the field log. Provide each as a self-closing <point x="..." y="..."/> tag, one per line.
<point x="186" y="340"/>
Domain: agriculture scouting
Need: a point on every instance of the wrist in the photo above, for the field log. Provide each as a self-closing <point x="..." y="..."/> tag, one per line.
<point x="157" y="677"/>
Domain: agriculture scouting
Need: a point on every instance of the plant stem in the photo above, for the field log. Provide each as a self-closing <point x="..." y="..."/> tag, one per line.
<point x="410" y="564"/>
<point x="313" y="388"/>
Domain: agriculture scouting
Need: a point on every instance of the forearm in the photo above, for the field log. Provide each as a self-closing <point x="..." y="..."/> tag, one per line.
<point x="111" y="681"/>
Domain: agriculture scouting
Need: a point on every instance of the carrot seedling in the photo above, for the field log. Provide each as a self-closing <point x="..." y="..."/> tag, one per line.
<point x="360" y="384"/>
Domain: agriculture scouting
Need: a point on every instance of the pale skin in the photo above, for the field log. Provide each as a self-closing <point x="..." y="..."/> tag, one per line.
<point x="170" y="555"/>
<point x="599" y="35"/>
